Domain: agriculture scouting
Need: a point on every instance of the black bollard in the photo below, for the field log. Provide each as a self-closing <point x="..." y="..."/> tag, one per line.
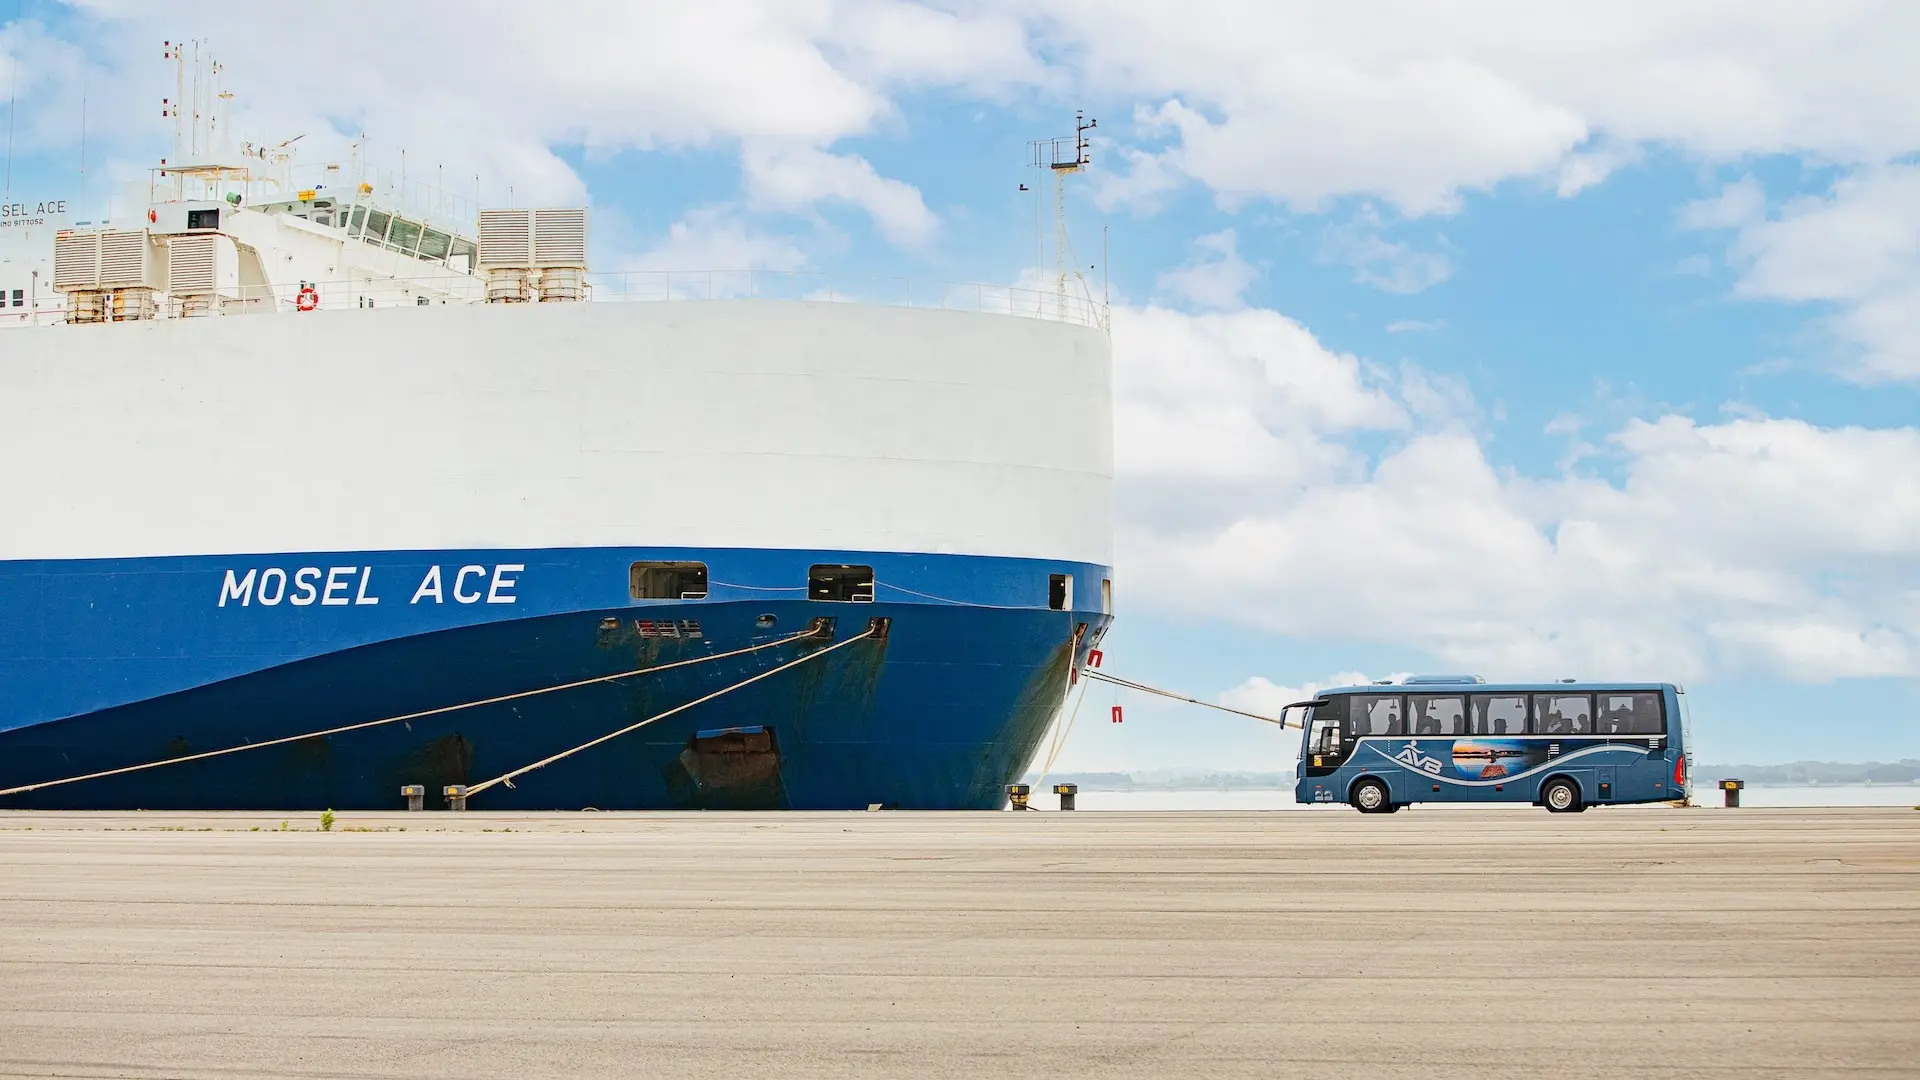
<point x="1732" y="790"/>
<point x="416" y="796"/>
<point x="456" y="796"/>
<point x="1017" y="795"/>
<point x="1066" y="793"/>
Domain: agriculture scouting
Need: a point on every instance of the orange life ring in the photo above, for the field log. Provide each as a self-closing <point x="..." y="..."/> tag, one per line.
<point x="308" y="299"/>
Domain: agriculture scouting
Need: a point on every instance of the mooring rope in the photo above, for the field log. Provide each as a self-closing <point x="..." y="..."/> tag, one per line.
<point x="507" y="777"/>
<point x="423" y="714"/>
<point x="1145" y="689"/>
<point x="1060" y="733"/>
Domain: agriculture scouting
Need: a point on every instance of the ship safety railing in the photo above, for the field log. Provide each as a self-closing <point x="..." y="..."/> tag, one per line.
<point x="651" y="286"/>
<point x="1051" y="305"/>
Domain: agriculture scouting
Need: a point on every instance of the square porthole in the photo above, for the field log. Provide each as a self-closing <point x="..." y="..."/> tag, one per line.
<point x="1060" y="592"/>
<point x="668" y="581"/>
<point x="840" y="583"/>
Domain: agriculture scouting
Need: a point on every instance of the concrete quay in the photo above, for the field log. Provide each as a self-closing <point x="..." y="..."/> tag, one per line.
<point x="1438" y="942"/>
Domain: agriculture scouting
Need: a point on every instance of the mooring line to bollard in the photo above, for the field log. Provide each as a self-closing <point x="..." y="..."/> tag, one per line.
<point x="1059" y="740"/>
<point x="507" y="777"/>
<point x="1145" y="689"/>
<point x="423" y="714"/>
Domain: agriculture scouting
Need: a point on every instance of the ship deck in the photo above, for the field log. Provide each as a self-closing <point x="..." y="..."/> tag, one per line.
<point x="1439" y="942"/>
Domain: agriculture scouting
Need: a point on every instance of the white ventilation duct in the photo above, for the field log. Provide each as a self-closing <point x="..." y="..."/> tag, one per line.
<point x="108" y="274"/>
<point x="518" y="245"/>
<point x="203" y="269"/>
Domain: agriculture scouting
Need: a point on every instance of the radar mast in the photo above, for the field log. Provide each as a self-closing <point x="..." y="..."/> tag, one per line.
<point x="1063" y="157"/>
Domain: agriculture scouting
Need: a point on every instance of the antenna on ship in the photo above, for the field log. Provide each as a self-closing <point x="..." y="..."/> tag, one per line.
<point x="1063" y="157"/>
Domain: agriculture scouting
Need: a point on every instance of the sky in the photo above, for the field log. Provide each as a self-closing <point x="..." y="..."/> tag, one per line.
<point x="1534" y="340"/>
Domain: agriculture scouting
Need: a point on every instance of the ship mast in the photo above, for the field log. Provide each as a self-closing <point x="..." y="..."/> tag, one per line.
<point x="1063" y="157"/>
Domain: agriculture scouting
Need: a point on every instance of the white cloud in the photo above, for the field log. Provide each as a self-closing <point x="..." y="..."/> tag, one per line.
<point x="496" y="95"/>
<point x="1384" y="264"/>
<point x="713" y="238"/>
<point x="1739" y="203"/>
<point x="1749" y="545"/>
<point x="1416" y="103"/>
<point x="1585" y="169"/>
<point x="1857" y="249"/>
<point x="796" y="177"/>
<point x="1216" y="278"/>
<point x="1262" y="696"/>
<point x="1415" y="326"/>
<point x="1138" y="180"/>
<point x="1288" y="136"/>
<point x="888" y="43"/>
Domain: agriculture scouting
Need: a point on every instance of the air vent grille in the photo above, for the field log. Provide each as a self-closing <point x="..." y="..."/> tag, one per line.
<point x="560" y="237"/>
<point x="190" y="263"/>
<point x="76" y="261"/>
<point x="533" y="239"/>
<point x="506" y="238"/>
<point x="123" y="260"/>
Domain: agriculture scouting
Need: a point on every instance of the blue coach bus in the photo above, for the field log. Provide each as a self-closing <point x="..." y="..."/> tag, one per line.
<point x="1455" y="738"/>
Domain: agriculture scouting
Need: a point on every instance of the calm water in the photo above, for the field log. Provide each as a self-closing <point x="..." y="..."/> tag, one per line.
<point x="1881" y="795"/>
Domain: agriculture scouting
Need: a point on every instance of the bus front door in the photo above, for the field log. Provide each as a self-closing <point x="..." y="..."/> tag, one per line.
<point x="1322" y="752"/>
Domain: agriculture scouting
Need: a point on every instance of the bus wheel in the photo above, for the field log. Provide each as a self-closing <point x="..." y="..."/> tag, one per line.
<point x="1560" y="796"/>
<point x="1370" y="797"/>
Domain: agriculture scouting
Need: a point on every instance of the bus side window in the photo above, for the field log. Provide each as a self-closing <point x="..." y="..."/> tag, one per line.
<point x="1562" y="714"/>
<point x="1437" y="714"/>
<point x="1636" y="713"/>
<point x="1375" y="714"/>
<point x="1499" y="714"/>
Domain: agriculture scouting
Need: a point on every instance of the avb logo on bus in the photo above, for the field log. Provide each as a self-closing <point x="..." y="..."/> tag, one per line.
<point x="1411" y="756"/>
<point x="342" y="586"/>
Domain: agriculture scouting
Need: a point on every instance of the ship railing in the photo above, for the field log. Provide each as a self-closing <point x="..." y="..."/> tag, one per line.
<point x="802" y="285"/>
<point x="655" y="286"/>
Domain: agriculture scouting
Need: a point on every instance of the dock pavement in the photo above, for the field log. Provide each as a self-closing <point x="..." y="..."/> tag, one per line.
<point x="1645" y="942"/>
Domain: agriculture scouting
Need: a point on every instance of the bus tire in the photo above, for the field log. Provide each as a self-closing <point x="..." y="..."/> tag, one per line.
<point x="1561" y="796"/>
<point x="1369" y="796"/>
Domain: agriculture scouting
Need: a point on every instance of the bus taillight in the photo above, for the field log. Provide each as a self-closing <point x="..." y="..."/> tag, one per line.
<point x="1680" y="770"/>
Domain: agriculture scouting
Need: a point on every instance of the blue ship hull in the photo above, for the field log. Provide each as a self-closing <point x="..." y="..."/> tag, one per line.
<point x="109" y="663"/>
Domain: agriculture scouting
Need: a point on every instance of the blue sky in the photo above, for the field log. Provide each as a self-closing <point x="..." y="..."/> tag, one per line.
<point x="1507" y="338"/>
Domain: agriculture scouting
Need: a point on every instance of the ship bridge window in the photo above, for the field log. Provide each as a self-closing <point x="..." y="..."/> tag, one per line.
<point x="840" y="583"/>
<point x="377" y="224"/>
<point x="203" y="219"/>
<point x="434" y="245"/>
<point x="1060" y="591"/>
<point x="461" y="252"/>
<point x="404" y="237"/>
<point x="359" y="221"/>
<point x="668" y="580"/>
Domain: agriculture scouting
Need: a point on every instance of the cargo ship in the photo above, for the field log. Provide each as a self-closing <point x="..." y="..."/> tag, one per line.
<point x="321" y="486"/>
